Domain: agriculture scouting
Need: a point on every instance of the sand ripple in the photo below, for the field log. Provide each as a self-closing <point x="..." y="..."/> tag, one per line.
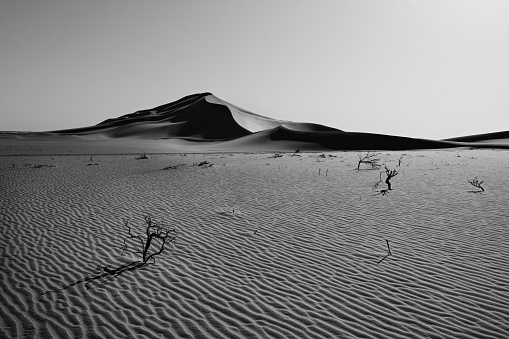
<point x="267" y="248"/>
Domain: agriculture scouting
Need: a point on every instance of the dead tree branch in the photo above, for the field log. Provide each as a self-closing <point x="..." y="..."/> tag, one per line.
<point x="390" y="174"/>
<point x="142" y="156"/>
<point x="476" y="183"/>
<point x="155" y="232"/>
<point x="368" y="159"/>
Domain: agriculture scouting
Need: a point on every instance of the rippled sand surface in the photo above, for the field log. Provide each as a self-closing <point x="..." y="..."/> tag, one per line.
<point x="268" y="247"/>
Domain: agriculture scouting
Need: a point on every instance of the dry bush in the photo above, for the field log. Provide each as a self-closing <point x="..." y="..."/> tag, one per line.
<point x="156" y="235"/>
<point x="142" y="156"/>
<point x="476" y="183"/>
<point x="368" y="159"/>
<point x="390" y="174"/>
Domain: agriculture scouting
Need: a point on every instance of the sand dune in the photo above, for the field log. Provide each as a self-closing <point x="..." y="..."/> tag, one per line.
<point x="257" y="123"/>
<point x="268" y="247"/>
<point x="336" y="140"/>
<point x="191" y="116"/>
<point x="497" y="138"/>
<point x="204" y="117"/>
<point x="198" y="116"/>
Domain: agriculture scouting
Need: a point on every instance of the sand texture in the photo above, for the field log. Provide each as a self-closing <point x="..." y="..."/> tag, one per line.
<point x="267" y="247"/>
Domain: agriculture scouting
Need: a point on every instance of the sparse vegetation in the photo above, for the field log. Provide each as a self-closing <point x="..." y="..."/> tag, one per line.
<point x="156" y="235"/>
<point x="476" y="183"/>
<point x="91" y="161"/>
<point x="368" y="159"/>
<point x="43" y="165"/>
<point x="173" y="166"/>
<point x="320" y="170"/>
<point x="142" y="156"/>
<point x="203" y="164"/>
<point x="390" y="174"/>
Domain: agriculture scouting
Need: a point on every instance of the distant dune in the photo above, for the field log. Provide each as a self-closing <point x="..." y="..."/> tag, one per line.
<point x="501" y="138"/>
<point x="205" y="121"/>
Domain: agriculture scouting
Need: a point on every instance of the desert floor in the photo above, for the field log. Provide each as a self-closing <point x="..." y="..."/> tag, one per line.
<point x="267" y="247"/>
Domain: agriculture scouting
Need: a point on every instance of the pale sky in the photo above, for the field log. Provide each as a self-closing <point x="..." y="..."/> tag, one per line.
<point x="425" y="69"/>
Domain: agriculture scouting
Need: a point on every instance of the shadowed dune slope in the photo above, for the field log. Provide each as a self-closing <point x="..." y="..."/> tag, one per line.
<point x="189" y="117"/>
<point x="286" y="139"/>
<point x="197" y="116"/>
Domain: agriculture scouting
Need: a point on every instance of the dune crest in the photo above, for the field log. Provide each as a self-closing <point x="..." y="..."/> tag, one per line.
<point x="257" y="123"/>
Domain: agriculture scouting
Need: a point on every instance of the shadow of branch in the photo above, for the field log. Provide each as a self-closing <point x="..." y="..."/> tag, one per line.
<point x="104" y="275"/>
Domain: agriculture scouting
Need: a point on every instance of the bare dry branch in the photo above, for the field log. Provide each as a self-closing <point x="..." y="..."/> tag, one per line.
<point x="155" y="233"/>
<point x="390" y="174"/>
<point x="142" y="156"/>
<point x="476" y="183"/>
<point x="368" y="159"/>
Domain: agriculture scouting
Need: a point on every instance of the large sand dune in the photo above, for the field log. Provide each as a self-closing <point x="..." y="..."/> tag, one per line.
<point x="198" y="116"/>
<point x="268" y="247"/>
<point x="203" y="122"/>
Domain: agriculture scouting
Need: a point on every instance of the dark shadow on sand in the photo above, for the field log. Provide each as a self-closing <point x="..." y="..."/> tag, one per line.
<point x="104" y="275"/>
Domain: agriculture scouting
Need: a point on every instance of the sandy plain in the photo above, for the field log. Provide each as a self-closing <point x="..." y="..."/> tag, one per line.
<point x="267" y="247"/>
